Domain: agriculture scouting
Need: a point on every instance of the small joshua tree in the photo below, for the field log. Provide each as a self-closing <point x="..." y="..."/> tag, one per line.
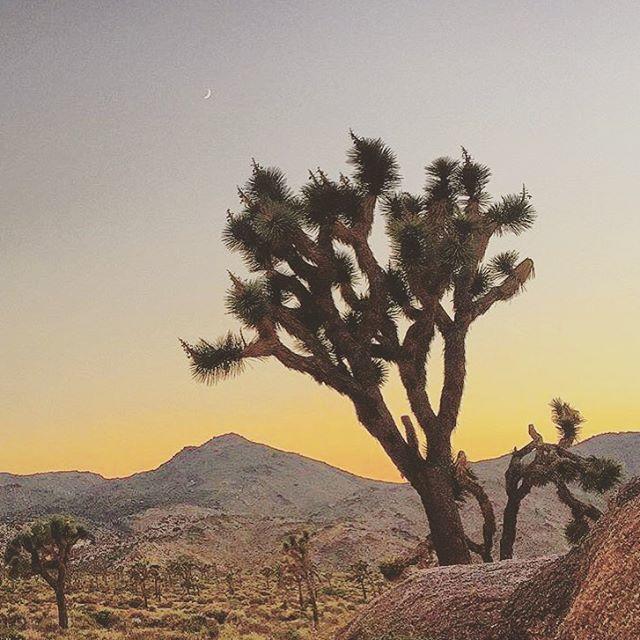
<point x="539" y="463"/>
<point x="183" y="567"/>
<point x="230" y="579"/>
<point x="297" y="548"/>
<point x="156" y="575"/>
<point x="44" y="549"/>
<point x="141" y="572"/>
<point x="266" y="572"/>
<point x="323" y="305"/>
<point x="360" y="573"/>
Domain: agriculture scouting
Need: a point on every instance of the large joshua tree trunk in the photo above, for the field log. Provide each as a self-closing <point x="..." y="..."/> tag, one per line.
<point x="432" y="477"/>
<point x="445" y="524"/>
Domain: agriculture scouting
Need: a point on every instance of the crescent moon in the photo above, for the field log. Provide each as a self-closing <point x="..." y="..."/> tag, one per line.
<point x="208" y="95"/>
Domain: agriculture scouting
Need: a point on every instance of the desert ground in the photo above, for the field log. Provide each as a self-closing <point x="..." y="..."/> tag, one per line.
<point x="110" y="606"/>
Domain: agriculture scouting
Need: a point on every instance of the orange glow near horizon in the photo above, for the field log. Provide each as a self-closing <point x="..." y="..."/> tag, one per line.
<point x="288" y="411"/>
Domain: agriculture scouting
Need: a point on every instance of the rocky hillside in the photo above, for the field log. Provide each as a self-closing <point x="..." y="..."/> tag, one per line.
<point x="232" y="498"/>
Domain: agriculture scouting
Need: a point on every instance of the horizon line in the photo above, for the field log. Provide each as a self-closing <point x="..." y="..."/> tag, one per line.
<point x="269" y="446"/>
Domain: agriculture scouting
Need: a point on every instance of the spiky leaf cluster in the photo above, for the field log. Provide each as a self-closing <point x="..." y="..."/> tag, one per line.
<point x="600" y="474"/>
<point x="483" y="280"/>
<point x="398" y="290"/>
<point x="267" y="183"/>
<point x="514" y="213"/>
<point x="41" y="546"/>
<point x="262" y="231"/>
<point x="472" y="179"/>
<point x="375" y="165"/>
<point x="576" y="530"/>
<point x="345" y="269"/>
<point x="324" y="202"/>
<point x="566" y="418"/>
<point x="213" y="361"/>
<point x="248" y="301"/>
<point x="503" y="264"/>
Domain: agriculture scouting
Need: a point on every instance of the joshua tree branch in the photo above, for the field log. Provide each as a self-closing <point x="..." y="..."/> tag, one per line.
<point x="579" y="509"/>
<point x="413" y="371"/>
<point x="469" y="484"/>
<point x="316" y="367"/>
<point x="455" y="360"/>
<point x="507" y="289"/>
<point x="410" y="431"/>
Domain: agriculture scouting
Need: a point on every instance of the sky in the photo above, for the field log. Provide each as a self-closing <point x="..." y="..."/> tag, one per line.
<point x="116" y="173"/>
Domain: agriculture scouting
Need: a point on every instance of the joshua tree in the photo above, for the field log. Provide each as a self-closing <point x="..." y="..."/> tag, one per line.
<point x="297" y="549"/>
<point x="183" y="567"/>
<point x="229" y="577"/>
<point x="298" y="580"/>
<point x="360" y="573"/>
<point x="323" y="305"/>
<point x="100" y="570"/>
<point x="156" y="575"/>
<point x="118" y="578"/>
<point x="266" y="572"/>
<point x="327" y="574"/>
<point x="141" y="572"/>
<point x="278" y="572"/>
<point x="44" y="549"/>
<point x="208" y="571"/>
<point x="540" y="463"/>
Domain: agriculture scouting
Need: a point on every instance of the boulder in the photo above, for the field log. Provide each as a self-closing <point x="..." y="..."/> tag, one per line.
<point x="591" y="593"/>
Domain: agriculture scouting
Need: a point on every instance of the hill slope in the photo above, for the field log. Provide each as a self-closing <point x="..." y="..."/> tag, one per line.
<point x="233" y="498"/>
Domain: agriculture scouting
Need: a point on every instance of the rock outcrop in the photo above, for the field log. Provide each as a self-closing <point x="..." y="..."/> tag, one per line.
<point x="591" y="593"/>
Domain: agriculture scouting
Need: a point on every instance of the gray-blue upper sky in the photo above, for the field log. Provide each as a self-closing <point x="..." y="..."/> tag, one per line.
<point x="116" y="174"/>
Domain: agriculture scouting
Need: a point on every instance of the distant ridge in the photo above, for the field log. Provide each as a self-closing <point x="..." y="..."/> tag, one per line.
<point x="234" y="483"/>
<point x="232" y="436"/>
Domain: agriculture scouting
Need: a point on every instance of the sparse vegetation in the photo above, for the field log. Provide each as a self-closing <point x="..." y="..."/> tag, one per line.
<point x="114" y="610"/>
<point x="290" y="592"/>
<point x="360" y="573"/>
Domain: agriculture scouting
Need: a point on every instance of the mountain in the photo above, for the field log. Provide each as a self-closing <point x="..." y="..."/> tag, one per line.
<point x="233" y="499"/>
<point x="227" y="474"/>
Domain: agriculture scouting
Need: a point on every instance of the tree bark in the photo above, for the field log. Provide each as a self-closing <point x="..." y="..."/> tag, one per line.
<point x="433" y="479"/>
<point x="509" y="527"/>
<point x="471" y="485"/>
<point x="61" y="602"/>
<point x="311" y="588"/>
<point x="436" y="493"/>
